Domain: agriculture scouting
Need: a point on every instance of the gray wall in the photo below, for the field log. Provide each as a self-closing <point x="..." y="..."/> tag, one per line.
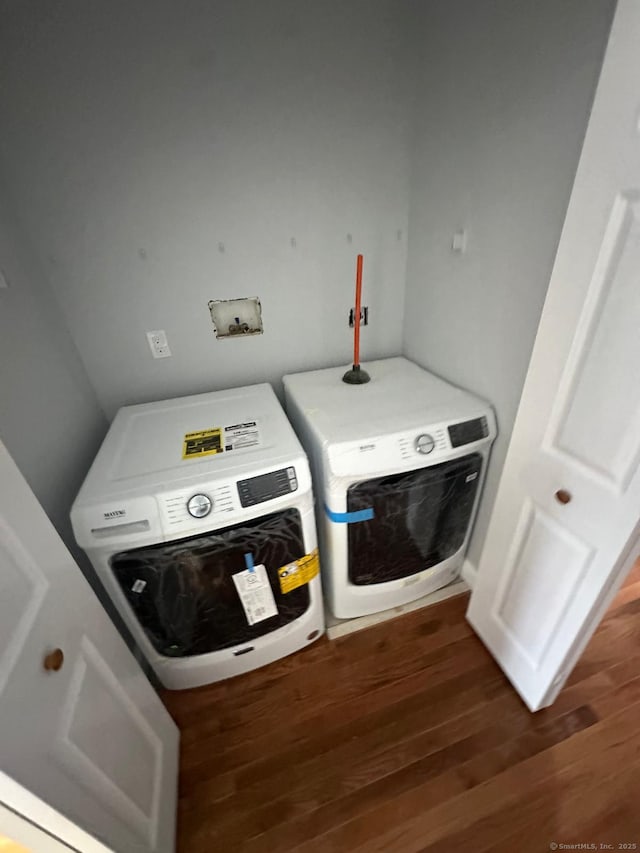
<point x="139" y="136"/>
<point x="50" y="420"/>
<point x="503" y="92"/>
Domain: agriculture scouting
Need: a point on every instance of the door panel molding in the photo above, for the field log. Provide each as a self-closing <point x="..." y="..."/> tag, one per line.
<point x="596" y="358"/>
<point x="24" y="582"/>
<point x="534" y="624"/>
<point x="137" y="808"/>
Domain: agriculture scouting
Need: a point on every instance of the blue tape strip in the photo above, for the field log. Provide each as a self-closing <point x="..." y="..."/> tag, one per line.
<point x="349" y="517"/>
<point x="248" y="559"/>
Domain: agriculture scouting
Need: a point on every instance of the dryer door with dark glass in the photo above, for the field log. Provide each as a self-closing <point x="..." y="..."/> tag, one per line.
<point x="420" y="518"/>
<point x="183" y="592"/>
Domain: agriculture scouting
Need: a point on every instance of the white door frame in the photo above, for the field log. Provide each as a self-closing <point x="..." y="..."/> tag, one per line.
<point x="27" y="819"/>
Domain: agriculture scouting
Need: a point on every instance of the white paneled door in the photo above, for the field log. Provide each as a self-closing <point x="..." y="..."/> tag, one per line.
<point x="80" y="725"/>
<point x="566" y="519"/>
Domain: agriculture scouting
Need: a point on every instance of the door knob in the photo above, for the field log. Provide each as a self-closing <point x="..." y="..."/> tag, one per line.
<point x="54" y="660"/>
<point x="563" y="496"/>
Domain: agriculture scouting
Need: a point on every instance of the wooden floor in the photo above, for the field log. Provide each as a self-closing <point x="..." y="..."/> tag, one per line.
<point x="407" y="737"/>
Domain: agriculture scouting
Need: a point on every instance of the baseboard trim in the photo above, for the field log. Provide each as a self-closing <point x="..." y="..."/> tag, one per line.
<point x="340" y="627"/>
<point x="469" y="573"/>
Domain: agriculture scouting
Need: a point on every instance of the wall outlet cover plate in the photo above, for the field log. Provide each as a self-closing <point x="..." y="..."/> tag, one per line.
<point x="236" y="318"/>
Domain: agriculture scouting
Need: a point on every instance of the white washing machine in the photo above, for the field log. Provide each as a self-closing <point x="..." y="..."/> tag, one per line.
<point x="398" y="466"/>
<point x="198" y="517"/>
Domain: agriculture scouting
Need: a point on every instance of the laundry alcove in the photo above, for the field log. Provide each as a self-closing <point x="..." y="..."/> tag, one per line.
<point x="159" y="158"/>
<point x="154" y="160"/>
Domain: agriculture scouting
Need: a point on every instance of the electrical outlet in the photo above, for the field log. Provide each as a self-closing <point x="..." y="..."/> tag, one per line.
<point x="158" y="344"/>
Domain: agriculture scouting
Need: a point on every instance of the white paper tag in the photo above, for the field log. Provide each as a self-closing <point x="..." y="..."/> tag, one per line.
<point x="255" y="594"/>
<point x="138" y="585"/>
<point x="241" y="435"/>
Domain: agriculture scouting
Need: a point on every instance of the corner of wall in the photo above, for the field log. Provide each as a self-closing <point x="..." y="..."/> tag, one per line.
<point x="469" y="573"/>
<point x="43" y="382"/>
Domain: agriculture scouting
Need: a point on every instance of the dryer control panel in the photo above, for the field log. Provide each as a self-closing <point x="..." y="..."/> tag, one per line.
<point x="468" y="431"/>
<point x="421" y="446"/>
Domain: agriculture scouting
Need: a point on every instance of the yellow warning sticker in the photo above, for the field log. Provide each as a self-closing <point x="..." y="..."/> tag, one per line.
<point x="203" y="443"/>
<point x="300" y="572"/>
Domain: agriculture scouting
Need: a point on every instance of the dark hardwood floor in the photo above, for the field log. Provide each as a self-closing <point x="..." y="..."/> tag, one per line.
<point x="407" y="737"/>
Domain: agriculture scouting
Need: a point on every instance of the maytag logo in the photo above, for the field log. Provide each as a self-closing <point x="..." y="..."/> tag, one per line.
<point x="364" y="447"/>
<point x="115" y="513"/>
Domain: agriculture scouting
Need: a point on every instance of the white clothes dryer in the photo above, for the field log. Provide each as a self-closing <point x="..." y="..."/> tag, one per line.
<point x="398" y="465"/>
<point x="198" y="517"/>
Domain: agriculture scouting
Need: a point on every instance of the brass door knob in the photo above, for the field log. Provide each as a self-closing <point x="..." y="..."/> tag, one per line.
<point x="563" y="496"/>
<point x="54" y="660"/>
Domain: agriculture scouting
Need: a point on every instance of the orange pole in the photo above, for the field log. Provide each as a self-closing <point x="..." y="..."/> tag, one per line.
<point x="356" y="328"/>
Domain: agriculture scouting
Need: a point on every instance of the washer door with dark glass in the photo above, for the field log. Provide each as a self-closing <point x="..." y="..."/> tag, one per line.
<point x="420" y="518"/>
<point x="183" y="592"/>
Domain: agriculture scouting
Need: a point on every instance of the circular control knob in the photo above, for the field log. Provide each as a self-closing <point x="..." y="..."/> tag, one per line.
<point x="424" y="443"/>
<point x="199" y="506"/>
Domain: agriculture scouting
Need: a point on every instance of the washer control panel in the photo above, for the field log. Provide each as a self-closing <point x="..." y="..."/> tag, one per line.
<point x="212" y="501"/>
<point x="212" y="505"/>
<point x="424" y="443"/>
<point x="199" y="506"/>
<point x="265" y="487"/>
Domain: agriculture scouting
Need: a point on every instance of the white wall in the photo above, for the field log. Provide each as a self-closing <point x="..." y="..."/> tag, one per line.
<point x="139" y="136"/>
<point x="503" y="92"/>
